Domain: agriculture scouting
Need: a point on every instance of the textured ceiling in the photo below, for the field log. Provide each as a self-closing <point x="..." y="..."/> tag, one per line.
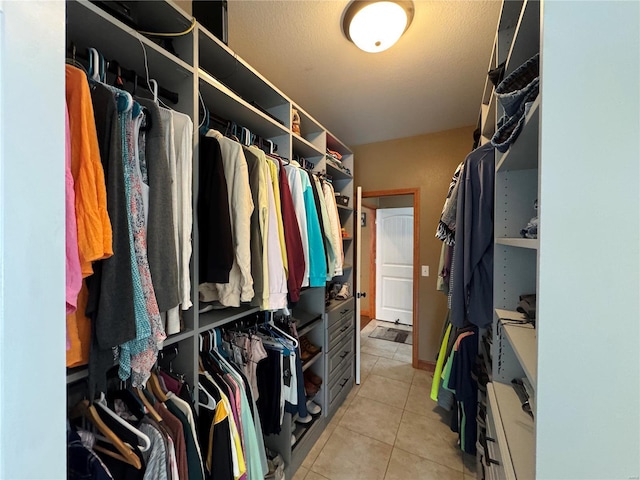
<point x="431" y="80"/>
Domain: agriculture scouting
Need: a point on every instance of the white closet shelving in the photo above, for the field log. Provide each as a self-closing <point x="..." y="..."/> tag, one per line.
<point x="510" y="431"/>
<point x="199" y="64"/>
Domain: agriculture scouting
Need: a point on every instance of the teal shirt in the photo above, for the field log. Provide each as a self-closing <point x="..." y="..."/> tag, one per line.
<point x="317" y="258"/>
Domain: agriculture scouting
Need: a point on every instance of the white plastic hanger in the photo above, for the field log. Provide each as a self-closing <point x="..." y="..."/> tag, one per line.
<point x="211" y="402"/>
<point x="145" y="441"/>
<point x="285" y="335"/>
<point x="154" y="90"/>
<point x="94" y="64"/>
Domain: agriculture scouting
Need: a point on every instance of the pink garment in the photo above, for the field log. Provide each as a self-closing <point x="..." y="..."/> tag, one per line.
<point x="73" y="271"/>
<point x="238" y="404"/>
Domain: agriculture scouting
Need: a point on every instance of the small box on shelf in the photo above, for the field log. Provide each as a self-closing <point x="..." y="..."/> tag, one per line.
<point x="342" y="200"/>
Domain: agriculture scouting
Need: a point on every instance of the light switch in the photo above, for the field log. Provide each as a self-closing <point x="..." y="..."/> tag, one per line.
<point x="425" y="270"/>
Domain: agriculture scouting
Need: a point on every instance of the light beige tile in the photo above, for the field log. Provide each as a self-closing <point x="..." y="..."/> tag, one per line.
<point x="352" y="394"/>
<point x="301" y="473"/>
<point x="469" y="463"/>
<point x="404" y="465"/>
<point x="401" y="357"/>
<point x="385" y="390"/>
<point x="429" y="438"/>
<point x="405" y="349"/>
<point x="470" y="477"/>
<point x="419" y="402"/>
<point x="373" y="419"/>
<point x="320" y="443"/>
<point x="370" y="327"/>
<point x="388" y="368"/>
<point x="422" y="377"/>
<point x="351" y="456"/>
<point x="314" y="476"/>
<point x="383" y="344"/>
<point x="379" y="352"/>
<point x="367" y="362"/>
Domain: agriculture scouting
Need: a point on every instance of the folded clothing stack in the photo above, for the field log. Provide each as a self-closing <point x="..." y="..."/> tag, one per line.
<point x="516" y="94"/>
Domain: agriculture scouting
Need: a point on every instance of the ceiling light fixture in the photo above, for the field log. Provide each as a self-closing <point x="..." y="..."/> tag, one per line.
<point x="374" y="26"/>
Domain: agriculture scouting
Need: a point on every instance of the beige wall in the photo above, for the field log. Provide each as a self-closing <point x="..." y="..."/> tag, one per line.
<point x="426" y="162"/>
<point x="184" y="4"/>
<point x="365" y="259"/>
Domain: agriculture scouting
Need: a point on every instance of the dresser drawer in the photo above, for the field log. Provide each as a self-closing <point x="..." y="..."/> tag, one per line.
<point x="338" y="330"/>
<point x="345" y="310"/>
<point x="343" y="351"/>
<point x="342" y="379"/>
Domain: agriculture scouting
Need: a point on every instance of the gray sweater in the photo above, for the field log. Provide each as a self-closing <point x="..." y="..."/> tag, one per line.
<point x="472" y="268"/>
<point x="161" y="250"/>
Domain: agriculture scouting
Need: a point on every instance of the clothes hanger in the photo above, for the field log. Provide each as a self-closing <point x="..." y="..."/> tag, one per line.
<point x="125" y="453"/>
<point x="245" y="136"/>
<point x="154" y="386"/>
<point x="102" y="404"/>
<point x="154" y="90"/>
<point x="145" y="401"/>
<point x="211" y="402"/>
<point x="284" y="334"/>
<point x="94" y="62"/>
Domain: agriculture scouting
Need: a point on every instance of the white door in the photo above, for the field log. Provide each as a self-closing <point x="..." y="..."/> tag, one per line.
<point x="394" y="265"/>
<point x="358" y="288"/>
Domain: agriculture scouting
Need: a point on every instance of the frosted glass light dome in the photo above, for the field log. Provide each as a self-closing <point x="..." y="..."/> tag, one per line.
<point x="377" y="25"/>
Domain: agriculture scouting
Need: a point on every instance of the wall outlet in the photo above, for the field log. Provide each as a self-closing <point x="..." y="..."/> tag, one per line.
<point x="425" y="270"/>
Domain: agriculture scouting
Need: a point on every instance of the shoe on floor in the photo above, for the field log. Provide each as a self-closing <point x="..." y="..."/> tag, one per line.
<point x="293" y="440"/>
<point x="313" y="408"/>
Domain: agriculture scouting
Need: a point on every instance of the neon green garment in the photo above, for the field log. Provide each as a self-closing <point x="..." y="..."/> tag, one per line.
<point x="435" y="386"/>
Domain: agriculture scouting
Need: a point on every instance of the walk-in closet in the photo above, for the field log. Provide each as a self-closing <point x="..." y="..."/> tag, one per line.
<point x="204" y="182"/>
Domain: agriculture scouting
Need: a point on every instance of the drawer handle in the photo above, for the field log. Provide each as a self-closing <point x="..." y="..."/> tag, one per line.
<point x="344" y="354"/>
<point x="345" y="328"/>
<point x="344" y="382"/>
<point x="488" y="460"/>
<point x="342" y="312"/>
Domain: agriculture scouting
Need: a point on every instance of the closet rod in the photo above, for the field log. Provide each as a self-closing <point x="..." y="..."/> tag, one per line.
<point x="127" y="74"/>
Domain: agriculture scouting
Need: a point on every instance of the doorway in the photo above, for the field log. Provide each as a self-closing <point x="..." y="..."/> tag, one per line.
<point x="402" y="295"/>
<point x="394" y="265"/>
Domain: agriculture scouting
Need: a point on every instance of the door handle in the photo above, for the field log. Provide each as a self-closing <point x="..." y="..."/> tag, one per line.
<point x="361" y="295"/>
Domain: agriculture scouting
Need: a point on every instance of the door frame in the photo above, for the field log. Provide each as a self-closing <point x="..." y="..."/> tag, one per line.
<point x="416" y="259"/>
<point x="371" y="312"/>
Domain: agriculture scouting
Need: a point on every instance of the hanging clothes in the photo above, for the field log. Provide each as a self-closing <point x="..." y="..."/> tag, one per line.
<point x="214" y="220"/>
<point x="73" y="271"/>
<point x="295" y="185"/>
<point x="472" y="267"/>
<point x="331" y="248"/>
<point x="178" y="138"/>
<point x="162" y="255"/>
<point x="258" y="185"/>
<point x="275" y="184"/>
<point x="110" y="302"/>
<point x="317" y="262"/>
<point x="293" y="240"/>
<point x="275" y="254"/>
<point x="336" y="228"/>
<point x="240" y="286"/>
<point x="138" y="356"/>
<point x="94" y="225"/>
<point x="460" y="381"/>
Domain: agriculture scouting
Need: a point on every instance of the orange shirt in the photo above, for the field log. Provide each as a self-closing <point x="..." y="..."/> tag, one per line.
<point x="94" y="227"/>
<point x="79" y="331"/>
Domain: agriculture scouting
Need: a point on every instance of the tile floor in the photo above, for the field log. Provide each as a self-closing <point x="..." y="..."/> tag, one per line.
<point x="388" y="428"/>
